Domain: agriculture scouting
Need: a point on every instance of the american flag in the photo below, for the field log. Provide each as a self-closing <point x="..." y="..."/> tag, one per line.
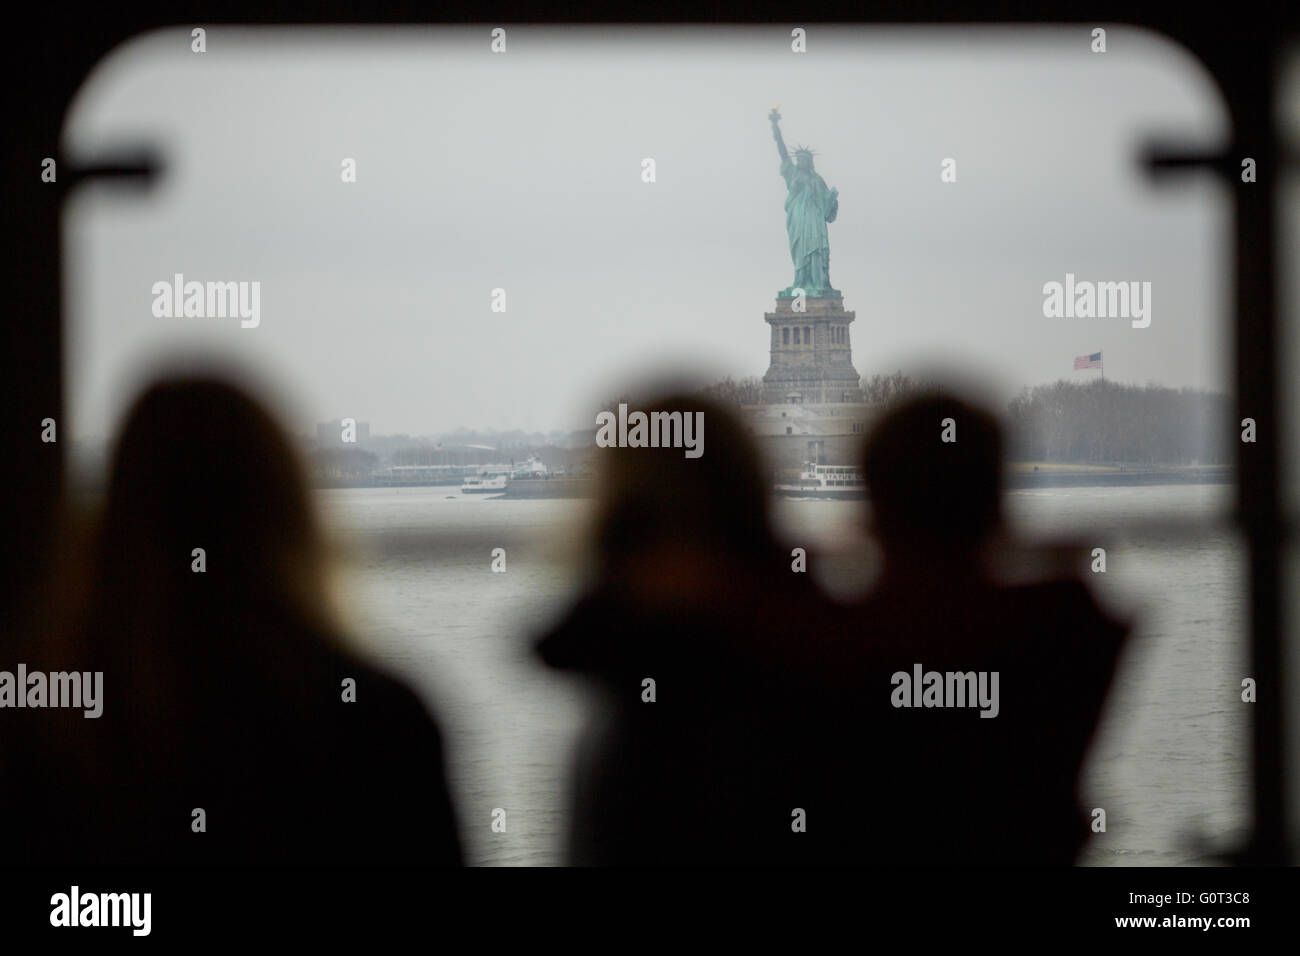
<point x="1088" y="361"/>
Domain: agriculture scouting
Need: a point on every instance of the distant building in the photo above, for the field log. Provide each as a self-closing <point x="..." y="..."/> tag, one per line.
<point x="826" y="433"/>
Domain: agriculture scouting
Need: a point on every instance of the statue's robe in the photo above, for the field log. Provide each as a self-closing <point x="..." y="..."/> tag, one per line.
<point x="809" y="206"/>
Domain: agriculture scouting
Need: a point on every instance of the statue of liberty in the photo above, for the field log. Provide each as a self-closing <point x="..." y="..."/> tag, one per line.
<point x="809" y="206"/>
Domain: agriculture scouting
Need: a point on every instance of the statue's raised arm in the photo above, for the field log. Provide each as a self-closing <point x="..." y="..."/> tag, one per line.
<point x="775" y="117"/>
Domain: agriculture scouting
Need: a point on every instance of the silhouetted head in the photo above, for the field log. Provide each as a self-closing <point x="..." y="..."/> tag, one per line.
<point x="657" y="501"/>
<point x="928" y="494"/>
<point x="200" y="465"/>
<point x="803" y="158"/>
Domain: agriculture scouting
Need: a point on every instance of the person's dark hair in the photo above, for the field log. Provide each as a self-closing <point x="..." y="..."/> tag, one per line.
<point x="718" y="501"/>
<point x="199" y="464"/>
<point x="928" y="492"/>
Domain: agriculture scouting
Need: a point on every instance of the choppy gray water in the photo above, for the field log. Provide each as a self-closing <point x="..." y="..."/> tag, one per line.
<point x="419" y="593"/>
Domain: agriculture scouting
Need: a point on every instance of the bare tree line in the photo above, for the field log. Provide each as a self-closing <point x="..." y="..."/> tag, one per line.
<point x="1097" y="422"/>
<point x="1102" y="421"/>
<point x="340" y="464"/>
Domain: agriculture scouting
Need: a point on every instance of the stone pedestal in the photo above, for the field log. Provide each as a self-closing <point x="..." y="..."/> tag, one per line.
<point x="792" y="435"/>
<point x="812" y="357"/>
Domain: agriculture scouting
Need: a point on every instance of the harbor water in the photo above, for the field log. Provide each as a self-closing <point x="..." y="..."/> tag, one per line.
<point x="417" y="590"/>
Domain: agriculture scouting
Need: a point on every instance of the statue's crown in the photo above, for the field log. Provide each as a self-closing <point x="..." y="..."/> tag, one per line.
<point x="804" y="151"/>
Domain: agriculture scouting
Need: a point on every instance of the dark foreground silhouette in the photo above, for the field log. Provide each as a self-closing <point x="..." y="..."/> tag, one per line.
<point x="223" y="689"/>
<point x="776" y="735"/>
<point x="690" y="592"/>
<point x="943" y="785"/>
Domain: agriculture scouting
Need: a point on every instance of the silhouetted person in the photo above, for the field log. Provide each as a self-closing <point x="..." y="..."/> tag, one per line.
<point x="226" y="688"/>
<point x="943" y="785"/>
<point x="691" y="592"/>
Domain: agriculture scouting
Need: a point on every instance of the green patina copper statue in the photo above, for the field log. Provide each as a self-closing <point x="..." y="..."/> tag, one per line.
<point x="809" y="206"/>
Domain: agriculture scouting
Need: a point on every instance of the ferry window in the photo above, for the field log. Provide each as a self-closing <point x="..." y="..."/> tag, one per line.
<point x="960" y="285"/>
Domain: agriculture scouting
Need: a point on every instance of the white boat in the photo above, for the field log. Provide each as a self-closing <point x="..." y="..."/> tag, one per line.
<point x="827" y="481"/>
<point x="484" y="485"/>
<point x="531" y="467"/>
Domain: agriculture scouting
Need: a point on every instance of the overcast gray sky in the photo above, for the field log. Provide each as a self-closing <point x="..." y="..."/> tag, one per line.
<point x="522" y="171"/>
